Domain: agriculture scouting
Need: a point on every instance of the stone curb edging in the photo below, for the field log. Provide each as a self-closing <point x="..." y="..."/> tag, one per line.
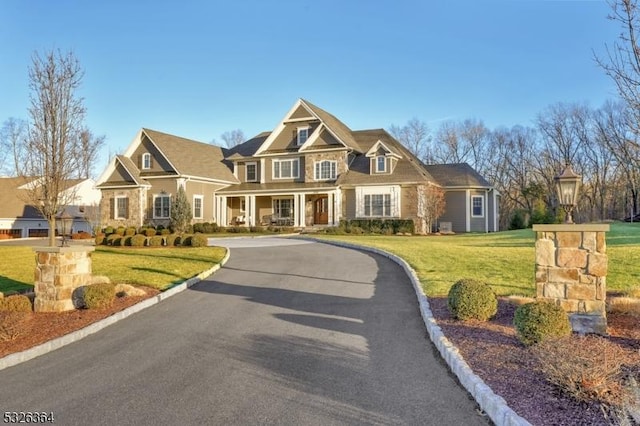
<point x="494" y="405"/>
<point x="57" y="343"/>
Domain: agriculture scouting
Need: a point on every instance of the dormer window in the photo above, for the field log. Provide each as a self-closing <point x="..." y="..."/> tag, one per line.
<point x="146" y="161"/>
<point x="381" y="164"/>
<point x="303" y="135"/>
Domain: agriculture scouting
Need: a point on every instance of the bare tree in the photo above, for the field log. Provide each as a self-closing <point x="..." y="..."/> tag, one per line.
<point x="232" y="138"/>
<point x="622" y="61"/>
<point x="431" y="204"/>
<point x="463" y="142"/>
<point x="12" y="151"/>
<point x="52" y="145"/>
<point x="416" y="137"/>
<point x="90" y="148"/>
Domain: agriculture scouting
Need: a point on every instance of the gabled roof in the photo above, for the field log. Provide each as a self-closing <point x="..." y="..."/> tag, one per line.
<point x="457" y="175"/>
<point x="129" y="167"/>
<point x="381" y="147"/>
<point x="248" y="148"/>
<point x="407" y="170"/>
<point x="192" y="158"/>
<point x="328" y="122"/>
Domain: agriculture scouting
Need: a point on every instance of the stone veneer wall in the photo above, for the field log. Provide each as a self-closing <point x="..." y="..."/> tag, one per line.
<point x="107" y="209"/>
<point x="571" y="270"/>
<point x="311" y="159"/>
<point x="59" y="271"/>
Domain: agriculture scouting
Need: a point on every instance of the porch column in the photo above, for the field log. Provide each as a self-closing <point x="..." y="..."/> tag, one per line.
<point x="298" y="210"/>
<point x="247" y="211"/>
<point x="216" y="208"/>
<point x="330" y="201"/>
<point x="252" y="210"/>
<point x="337" y="215"/>
<point x="303" y="211"/>
<point x="223" y="211"/>
<point x="467" y="208"/>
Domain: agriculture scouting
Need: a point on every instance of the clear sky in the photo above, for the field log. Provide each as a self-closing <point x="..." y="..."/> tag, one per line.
<point x="199" y="68"/>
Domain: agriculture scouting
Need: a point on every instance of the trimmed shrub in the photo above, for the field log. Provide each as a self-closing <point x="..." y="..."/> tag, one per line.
<point x="539" y="321"/>
<point x="173" y="240"/>
<point x="198" y="227"/>
<point x="130" y="231"/>
<point x="120" y="230"/>
<point x="16" y="303"/>
<point x="113" y="239"/>
<point x="149" y="232"/>
<point x="471" y="299"/>
<point x="186" y="240"/>
<point x="165" y="232"/>
<point x="100" y="239"/>
<point x="99" y="296"/>
<point x="199" y="240"/>
<point x="108" y="230"/>
<point x="125" y="240"/>
<point x="82" y="235"/>
<point x="138" y="240"/>
<point x="356" y="230"/>
<point x="156" y="241"/>
<point x="258" y="229"/>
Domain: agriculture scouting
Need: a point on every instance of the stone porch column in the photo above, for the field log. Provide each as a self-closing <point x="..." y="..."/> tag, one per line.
<point x="59" y="271"/>
<point x="571" y="271"/>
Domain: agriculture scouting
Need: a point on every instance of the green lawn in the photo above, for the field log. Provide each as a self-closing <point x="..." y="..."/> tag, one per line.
<point x="157" y="267"/>
<point x="503" y="259"/>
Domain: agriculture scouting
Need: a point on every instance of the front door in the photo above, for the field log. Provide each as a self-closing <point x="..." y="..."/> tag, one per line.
<point x="321" y="211"/>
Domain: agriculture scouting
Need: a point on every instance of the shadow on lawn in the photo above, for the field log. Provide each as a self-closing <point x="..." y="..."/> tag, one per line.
<point x="154" y="254"/>
<point x="8" y="285"/>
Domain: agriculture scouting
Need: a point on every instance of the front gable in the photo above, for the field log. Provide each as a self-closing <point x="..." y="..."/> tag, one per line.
<point x="149" y="159"/>
<point x="382" y="160"/>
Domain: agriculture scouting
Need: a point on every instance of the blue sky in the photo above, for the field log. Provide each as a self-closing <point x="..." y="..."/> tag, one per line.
<point x="199" y="68"/>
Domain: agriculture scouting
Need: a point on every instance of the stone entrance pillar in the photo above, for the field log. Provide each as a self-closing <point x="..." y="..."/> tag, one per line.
<point x="571" y="271"/>
<point x="59" y="271"/>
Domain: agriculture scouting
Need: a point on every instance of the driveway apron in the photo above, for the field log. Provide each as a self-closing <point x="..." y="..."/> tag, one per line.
<point x="294" y="333"/>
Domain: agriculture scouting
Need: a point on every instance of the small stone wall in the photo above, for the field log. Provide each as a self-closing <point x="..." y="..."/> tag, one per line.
<point x="571" y="270"/>
<point x="59" y="271"/>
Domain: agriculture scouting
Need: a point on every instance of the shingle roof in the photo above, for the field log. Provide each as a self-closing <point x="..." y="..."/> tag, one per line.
<point x="275" y="186"/>
<point x="248" y="148"/>
<point x="338" y="127"/>
<point x="457" y="175"/>
<point x="192" y="158"/>
<point x="407" y="168"/>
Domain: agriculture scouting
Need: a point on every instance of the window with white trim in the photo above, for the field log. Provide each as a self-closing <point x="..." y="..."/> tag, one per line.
<point x="377" y="205"/>
<point x="303" y="135"/>
<point x="381" y="164"/>
<point x="477" y="206"/>
<point x="121" y="207"/>
<point x="197" y="207"/>
<point x="146" y="161"/>
<point x="251" y="172"/>
<point x="286" y="169"/>
<point x="378" y="201"/>
<point x="325" y="170"/>
<point x="283" y="207"/>
<point x="161" y="206"/>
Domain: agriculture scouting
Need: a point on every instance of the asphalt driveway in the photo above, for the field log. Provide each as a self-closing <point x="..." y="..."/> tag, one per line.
<point x="288" y="332"/>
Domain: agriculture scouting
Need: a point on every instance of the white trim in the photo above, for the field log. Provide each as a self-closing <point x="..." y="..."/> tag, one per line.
<point x="116" y="216"/>
<point x="377" y="160"/>
<point x="279" y="128"/>
<point x="295" y="160"/>
<point x="372" y="151"/>
<point x="394" y="192"/>
<point x="467" y="211"/>
<point x="299" y="131"/>
<point x="317" y="176"/>
<point x="246" y="171"/>
<point x="193" y="207"/>
<point x="263" y="168"/>
<point x="482" y="205"/>
<point x="153" y="207"/>
<point x="144" y="166"/>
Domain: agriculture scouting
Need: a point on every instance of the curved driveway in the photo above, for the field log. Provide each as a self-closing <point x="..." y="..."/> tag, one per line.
<point x="299" y="333"/>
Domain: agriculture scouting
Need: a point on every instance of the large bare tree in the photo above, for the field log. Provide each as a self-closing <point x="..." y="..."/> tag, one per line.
<point x="233" y="138"/>
<point x="53" y="148"/>
<point x="90" y="148"/>
<point x="12" y="150"/>
<point x="416" y="137"/>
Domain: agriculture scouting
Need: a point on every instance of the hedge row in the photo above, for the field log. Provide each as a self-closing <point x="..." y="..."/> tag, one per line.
<point x="141" y="240"/>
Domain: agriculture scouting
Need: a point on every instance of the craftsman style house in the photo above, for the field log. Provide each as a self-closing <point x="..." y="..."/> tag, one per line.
<point x="311" y="170"/>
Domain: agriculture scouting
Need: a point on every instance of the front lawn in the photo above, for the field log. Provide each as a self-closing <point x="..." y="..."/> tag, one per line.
<point x="506" y="260"/>
<point x="156" y="267"/>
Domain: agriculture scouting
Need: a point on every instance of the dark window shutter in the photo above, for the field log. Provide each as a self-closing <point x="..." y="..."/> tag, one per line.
<point x="127" y="208"/>
<point x="112" y="208"/>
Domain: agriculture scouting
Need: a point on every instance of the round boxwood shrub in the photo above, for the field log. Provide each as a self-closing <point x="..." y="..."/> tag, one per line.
<point x="172" y="240"/>
<point x="16" y="303"/>
<point x="113" y="239"/>
<point x="99" y="296"/>
<point x="186" y="240"/>
<point x="472" y="299"/>
<point x="138" y="240"/>
<point x="130" y="231"/>
<point x="538" y="321"/>
<point x="100" y="239"/>
<point x="109" y="230"/>
<point x="149" y="232"/>
<point x="156" y="241"/>
<point x="199" y="240"/>
<point x="120" y="230"/>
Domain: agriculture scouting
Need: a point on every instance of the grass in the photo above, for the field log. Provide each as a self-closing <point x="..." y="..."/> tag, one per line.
<point x="158" y="267"/>
<point x="504" y="259"/>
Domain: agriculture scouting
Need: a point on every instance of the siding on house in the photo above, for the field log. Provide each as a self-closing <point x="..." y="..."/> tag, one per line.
<point x="455" y="209"/>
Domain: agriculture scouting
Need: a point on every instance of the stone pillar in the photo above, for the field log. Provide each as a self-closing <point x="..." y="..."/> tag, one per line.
<point x="59" y="271"/>
<point x="571" y="271"/>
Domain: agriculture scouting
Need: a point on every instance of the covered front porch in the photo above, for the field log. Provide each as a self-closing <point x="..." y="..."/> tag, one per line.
<point x="299" y="210"/>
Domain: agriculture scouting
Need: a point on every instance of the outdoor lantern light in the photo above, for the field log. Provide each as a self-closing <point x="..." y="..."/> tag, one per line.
<point x="64" y="222"/>
<point x="567" y="186"/>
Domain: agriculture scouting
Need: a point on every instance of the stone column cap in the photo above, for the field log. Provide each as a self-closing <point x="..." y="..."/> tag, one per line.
<point x="70" y="249"/>
<point x="576" y="227"/>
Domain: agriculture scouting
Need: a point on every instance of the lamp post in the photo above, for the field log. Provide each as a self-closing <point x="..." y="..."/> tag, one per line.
<point x="64" y="221"/>
<point x="567" y="187"/>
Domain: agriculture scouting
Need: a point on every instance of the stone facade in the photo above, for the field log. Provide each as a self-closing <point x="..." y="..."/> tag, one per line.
<point x="136" y="205"/>
<point x="571" y="271"/>
<point x="59" y="272"/>
<point x="311" y="159"/>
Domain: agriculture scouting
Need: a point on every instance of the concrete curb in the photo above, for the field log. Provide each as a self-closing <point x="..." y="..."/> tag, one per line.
<point x="52" y="345"/>
<point x="494" y="405"/>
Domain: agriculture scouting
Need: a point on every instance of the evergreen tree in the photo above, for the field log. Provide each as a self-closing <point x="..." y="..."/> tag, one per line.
<point x="180" y="212"/>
